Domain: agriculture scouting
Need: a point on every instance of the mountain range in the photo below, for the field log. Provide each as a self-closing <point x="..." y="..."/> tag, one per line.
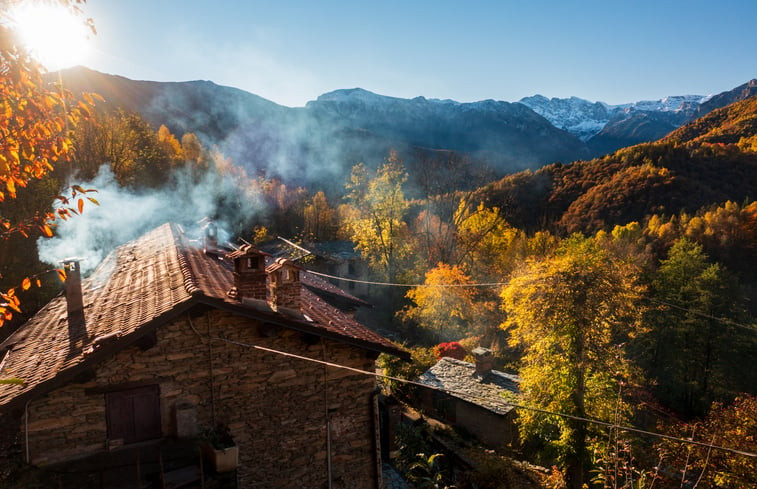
<point x="318" y="143"/>
<point x="705" y="162"/>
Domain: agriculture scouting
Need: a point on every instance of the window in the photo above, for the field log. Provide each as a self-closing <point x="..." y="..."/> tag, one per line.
<point x="252" y="262"/>
<point x="133" y="415"/>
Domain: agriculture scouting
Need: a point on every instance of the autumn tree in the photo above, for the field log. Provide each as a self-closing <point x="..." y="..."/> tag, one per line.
<point x="691" y="348"/>
<point x="35" y="123"/>
<point x="731" y="425"/>
<point x="320" y="219"/>
<point x="569" y="313"/>
<point x="489" y="246"/>
<point x="443" y="305"/>
<point x="377" y="221"/>
<point x="443" y="180"/>
<point x="137" y="155"/>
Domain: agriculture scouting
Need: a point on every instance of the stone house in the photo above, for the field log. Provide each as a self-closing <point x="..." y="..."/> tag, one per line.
<point x="473" y="397"/>
<point x="168" y="337"/>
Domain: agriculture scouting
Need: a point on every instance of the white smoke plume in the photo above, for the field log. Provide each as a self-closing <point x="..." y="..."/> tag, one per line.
<point x="125" y="214"/>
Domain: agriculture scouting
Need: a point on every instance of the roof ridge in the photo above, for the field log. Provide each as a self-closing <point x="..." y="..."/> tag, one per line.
<point x="191" y="284"/>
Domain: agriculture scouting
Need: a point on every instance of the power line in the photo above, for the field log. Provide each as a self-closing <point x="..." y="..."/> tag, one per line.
<point x="502" y="402"/>
<point x="391" y="284"/>
<point x="702" y="314"/>
<point x="500" y="284"/>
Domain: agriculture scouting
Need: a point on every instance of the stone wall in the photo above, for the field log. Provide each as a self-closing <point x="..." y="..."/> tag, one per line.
<point x="494" y="430"/>
<point x="277" y="407"/>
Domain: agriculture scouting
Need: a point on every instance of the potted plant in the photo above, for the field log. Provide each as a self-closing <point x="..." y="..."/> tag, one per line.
<point x="219" y="448"/>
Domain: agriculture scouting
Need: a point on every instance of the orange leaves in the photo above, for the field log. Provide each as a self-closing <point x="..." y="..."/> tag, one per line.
<point x="10" y="300"/>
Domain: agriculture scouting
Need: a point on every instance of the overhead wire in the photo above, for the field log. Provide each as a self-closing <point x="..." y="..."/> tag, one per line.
<point x="503" y="402"/>
<point x="394" y="284"/>
<point x="500" y="284"/>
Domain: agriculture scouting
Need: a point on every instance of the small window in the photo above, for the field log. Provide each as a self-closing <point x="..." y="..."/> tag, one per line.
<point x="133" y="415"/>
<point x="252" y="262"/>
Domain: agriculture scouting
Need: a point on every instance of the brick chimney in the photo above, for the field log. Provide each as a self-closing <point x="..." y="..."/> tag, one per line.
<point x="285" y="283"/>
<point x="249" y="273"/>
<point x="74" y="298"/>
<point x="484" y="360"/>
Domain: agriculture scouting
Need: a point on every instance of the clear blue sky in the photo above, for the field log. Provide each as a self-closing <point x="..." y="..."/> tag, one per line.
<point x="292" y="51"/>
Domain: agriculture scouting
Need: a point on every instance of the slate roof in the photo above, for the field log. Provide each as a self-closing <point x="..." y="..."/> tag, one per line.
<point x="459" y="379"/>
<point x="139" y="286"/>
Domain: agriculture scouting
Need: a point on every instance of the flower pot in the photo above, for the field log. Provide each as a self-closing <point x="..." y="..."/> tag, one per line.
<point x="222" y="459"/>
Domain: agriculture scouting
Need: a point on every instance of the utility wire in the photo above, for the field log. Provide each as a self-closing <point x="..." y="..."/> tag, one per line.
<point x="390" y="284"/>
<point x="499" y="284"/>
<point x="702" y="314"/>
<point x="502" y="402"/>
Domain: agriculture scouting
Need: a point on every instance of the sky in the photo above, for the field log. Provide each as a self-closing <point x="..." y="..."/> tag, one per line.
<point x="292" y="51"/>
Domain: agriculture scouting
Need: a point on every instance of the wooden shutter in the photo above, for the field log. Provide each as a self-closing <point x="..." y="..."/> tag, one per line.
<point x="133" y="415"/>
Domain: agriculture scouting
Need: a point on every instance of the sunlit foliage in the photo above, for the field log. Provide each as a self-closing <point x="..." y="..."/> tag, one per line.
<point x="35" y="122"/>
<point x="377" y="222"/>
<point x="571" y="313"/>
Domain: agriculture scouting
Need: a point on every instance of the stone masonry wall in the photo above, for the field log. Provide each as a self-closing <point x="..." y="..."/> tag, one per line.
<point x="492" y="429"/>
<point x="276" y="407"/>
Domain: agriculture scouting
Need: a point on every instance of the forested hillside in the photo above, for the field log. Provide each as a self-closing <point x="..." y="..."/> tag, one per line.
<point x="708" y="161"/>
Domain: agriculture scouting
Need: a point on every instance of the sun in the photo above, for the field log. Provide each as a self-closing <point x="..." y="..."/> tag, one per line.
<point x="52" y="33"/>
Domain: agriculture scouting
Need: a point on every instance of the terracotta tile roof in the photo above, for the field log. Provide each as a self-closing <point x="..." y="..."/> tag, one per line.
<point x="460" y="380"/>
<point x="285" y="249"/>
<point x="138" y="287"/>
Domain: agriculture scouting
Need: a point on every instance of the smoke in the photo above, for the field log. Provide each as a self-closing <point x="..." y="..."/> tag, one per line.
<point x="125" y="214"/>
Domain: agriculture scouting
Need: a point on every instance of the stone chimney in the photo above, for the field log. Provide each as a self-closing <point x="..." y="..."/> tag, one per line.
<point x="285" y="284"/>
<point x="249" y="273"/>
<point x="484" y="360"/>
<point x="74" y="298"/>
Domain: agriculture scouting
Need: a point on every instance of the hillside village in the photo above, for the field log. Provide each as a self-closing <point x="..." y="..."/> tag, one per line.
<point x="399" y="293"/>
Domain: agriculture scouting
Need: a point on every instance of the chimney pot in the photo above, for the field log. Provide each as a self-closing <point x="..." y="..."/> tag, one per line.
<point x="210" y="241"/>
<point x="484" y="360"/>
<point x="285" y="284"/>
<point x="74" y="297"/>
<point x="249" y="273"/>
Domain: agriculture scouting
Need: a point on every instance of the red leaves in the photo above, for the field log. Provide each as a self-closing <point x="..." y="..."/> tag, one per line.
<point x="452" y="349"/>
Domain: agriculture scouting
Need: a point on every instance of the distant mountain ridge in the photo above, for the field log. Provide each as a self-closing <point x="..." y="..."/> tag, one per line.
<point x="606" y="128"/>
<point x="320" y="142"/>
<point x="323" y="140"/>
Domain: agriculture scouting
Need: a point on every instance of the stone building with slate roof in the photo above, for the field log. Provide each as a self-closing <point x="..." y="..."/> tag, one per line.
<point x="157" y="344"/>
<point x="471" y="396"/>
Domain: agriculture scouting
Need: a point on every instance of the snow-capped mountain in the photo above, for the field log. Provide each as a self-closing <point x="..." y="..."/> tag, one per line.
<point x="586" y="119"/>
<point x="509" y="135"/>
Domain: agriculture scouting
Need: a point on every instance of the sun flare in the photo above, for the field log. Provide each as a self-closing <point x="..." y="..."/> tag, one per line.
<point x="53" y="34"/>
